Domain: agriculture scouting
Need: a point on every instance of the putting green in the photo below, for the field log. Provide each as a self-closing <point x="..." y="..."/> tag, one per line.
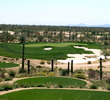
<point x="53" y="44"/>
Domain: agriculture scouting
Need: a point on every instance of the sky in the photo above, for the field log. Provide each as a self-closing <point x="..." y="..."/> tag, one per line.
<point x="55" y="12"/>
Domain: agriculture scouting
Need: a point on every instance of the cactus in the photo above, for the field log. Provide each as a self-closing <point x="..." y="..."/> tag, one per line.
<point x="100" y="68"/>
<point x="23" y="56"/>
<point x="71" y="66"/>
<point x="52" y="64"/>
<point x="68" y="67"/>
<point x="28" y="64"/>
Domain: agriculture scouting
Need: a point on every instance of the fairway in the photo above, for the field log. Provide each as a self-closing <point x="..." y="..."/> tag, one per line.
<point x="8" y="65"/>
<point x="56" y="94"/>
<point x="36" y="50"/>
<point x="65" y="82"/>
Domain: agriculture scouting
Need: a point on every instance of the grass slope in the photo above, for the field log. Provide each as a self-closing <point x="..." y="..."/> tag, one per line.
<point x="56" y="94"/>
<point x="65" y="82"/>
<point x="8" y="65"/>
<point x="36" y="50"/>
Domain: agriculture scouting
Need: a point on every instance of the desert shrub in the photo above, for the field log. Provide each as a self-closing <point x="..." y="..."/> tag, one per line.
<point x="11" y="73"/>
<point x="17" y="58"/>
<point x="38" y="66"/>
<point x="63" y="72"/>
<point x="2" y="73"/>
<point x="1" y="79"/>
<point x="92" y="73"/>
<point x="6" y="87"/>
<point x="8" y="79"/>
<point x="42" y="62"/>
<point x="79" y="71"/>
<point x="40" y="85"/>
<point x="60" y="85"/>
<point x="108" y="88"/>
<point x="4" y="58"/>
<point x="93" y="86"/>
<point x="41" y="74"/>
<point x="89" y="62"/>
<point x="22" y="70"/>
<point x="51" y="74"/>
<point x="108" y="80"/>
<point x="80" y="75"/>
<point x="48" y="62"/>
<point x="24" y="85"/>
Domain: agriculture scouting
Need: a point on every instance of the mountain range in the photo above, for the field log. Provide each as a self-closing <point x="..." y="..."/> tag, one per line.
<point x="84" y="25"/>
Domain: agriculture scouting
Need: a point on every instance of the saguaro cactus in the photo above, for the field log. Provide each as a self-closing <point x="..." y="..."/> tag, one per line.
<point x="28" y="65"/>
<point x="68" y="68"/>
<point x="100" y="68"/>
<point x="71" y="66"/>
<point x="52" y="64"/>
<point x="23" y="56"/>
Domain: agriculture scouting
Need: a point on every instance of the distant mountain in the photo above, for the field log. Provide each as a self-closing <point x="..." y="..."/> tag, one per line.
<point x="84" y="25"/>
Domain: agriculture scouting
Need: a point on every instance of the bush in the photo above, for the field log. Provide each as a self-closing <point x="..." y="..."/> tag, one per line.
<point x="6" y="87"/>
<point x="79" y="71"/>
<point x="92" y="73"/>
<point x="108" y="81"/>
<point x="40" y="85"/>
<point x="64" y="72"/>
<point x="108" y="88"/>
<point x="41" y="74"/>
<point x="48" y="62"/>
<point x="11" y="73"/>
<point x="4" y="58"/>
<point x="2" y="73"/>
<point x="1" y="79"/>
<point x="38" y="66"/>
<point x="93" y="87"/>
<point x="51" y="74"/>
<point x="42" y="62"/>
<point x="80" y="75"/>
<point x="22" y="70"/>
<point x="89" y="62"/>
<point x="8" y="79"/>
<point x="60" y="85"/>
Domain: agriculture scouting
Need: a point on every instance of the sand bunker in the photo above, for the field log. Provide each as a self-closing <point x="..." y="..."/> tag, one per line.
<point x="83" y="58"/>
<point x="47" y="48"/>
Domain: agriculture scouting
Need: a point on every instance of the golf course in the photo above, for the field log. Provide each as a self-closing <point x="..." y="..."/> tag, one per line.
<point x="35" y="50"/>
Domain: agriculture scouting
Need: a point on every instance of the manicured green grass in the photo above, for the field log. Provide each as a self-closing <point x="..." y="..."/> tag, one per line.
<point x="8" y="65"/>
<point x="56" y="94"/>
<point x="36" y="50"/>
<point x="63" y="81"/>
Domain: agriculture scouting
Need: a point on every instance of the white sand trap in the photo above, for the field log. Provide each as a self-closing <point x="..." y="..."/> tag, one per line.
<point x="81" y="58"/>
<point x="47" y="48"/>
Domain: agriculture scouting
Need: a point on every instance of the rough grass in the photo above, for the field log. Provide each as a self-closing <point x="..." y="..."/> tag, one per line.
<point x="8" y="65"/>
<point x="63" y="81"/>
<point x="56" y="94"/>
<point x="36" y="50"/>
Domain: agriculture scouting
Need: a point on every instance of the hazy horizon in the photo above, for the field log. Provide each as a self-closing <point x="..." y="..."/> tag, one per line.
<point x="55" y="12"/>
